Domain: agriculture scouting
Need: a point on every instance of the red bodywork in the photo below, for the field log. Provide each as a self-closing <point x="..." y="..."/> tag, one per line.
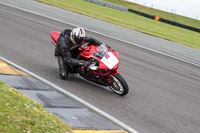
<point x="86" y="54"/>
<point x="54" y="36"/>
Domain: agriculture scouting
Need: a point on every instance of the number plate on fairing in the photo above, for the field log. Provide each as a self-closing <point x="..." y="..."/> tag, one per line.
<point x="110" y="60"/>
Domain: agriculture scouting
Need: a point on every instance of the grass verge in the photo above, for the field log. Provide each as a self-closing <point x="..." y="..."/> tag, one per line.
<point x="130" y="20"/>
<point x="155" y="12"/>
<point x="18" y="113"/>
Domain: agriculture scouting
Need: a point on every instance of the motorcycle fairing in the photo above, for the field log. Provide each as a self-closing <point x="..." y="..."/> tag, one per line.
<point x="110" y="60"/>
<point x="87" y="51"/>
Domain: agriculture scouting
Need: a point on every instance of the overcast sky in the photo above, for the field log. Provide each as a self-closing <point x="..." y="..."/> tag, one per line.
<point x="189" y="8"/>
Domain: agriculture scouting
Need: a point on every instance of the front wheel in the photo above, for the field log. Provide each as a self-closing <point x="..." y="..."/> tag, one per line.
<point x="119" y="85"/>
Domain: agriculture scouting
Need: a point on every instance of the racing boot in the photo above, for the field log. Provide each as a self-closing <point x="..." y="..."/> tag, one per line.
<point x="63" y="73"/>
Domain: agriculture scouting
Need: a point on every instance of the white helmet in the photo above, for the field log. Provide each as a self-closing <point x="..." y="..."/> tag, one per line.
<point x="77" y="35"/>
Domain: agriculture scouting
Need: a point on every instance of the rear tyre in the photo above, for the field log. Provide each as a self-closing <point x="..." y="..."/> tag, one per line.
<point x="119" y="85"/>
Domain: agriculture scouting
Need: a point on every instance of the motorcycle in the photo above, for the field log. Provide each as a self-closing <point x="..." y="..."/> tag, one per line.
<point x="103" y="66"/>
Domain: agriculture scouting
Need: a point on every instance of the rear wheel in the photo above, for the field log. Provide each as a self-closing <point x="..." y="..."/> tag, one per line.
<point x="119" y="85"/>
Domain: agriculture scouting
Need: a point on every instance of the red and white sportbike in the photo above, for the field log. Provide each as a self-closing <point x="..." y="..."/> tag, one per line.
<point x="103" y="67"/>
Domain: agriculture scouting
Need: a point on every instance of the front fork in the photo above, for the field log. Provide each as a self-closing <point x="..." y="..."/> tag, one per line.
<point x="109" y="77"/>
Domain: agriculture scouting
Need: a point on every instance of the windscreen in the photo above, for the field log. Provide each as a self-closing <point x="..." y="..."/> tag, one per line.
<point x="103" y="51"/>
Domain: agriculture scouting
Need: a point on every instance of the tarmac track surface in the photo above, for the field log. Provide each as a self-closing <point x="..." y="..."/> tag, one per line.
<point x="164" y="92"/>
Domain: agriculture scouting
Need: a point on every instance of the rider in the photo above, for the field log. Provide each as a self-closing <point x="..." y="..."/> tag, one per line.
<point x="67" y="42"/>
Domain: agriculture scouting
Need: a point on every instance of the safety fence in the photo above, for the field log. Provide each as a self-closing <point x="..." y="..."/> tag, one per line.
<point x="165" y="21"/>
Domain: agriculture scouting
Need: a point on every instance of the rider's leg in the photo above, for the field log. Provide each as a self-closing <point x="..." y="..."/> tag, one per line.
<point x="63" y="72"/>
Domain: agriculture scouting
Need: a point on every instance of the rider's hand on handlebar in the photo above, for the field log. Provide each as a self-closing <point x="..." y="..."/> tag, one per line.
<point x="86" y="64"/>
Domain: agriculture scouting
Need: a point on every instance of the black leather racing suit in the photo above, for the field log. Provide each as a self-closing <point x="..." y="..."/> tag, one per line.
<point x="64" y="50"/>
<point x="64" y="47"/>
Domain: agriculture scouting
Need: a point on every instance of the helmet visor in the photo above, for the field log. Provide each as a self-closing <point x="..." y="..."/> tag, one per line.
<point x="78" y="40"/>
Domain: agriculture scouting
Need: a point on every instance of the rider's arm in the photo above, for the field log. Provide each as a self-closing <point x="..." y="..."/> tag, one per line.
<point x="92" y="40"/>
<point x="66" y="54"/>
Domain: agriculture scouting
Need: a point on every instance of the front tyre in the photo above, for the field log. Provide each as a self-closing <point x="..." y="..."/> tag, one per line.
<point x="119" y="85"/>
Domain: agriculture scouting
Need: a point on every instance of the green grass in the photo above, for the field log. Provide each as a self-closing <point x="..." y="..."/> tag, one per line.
<point x="154" y="12"/>
<point x="18" y="114"/>
<point x="130" y="20"/>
